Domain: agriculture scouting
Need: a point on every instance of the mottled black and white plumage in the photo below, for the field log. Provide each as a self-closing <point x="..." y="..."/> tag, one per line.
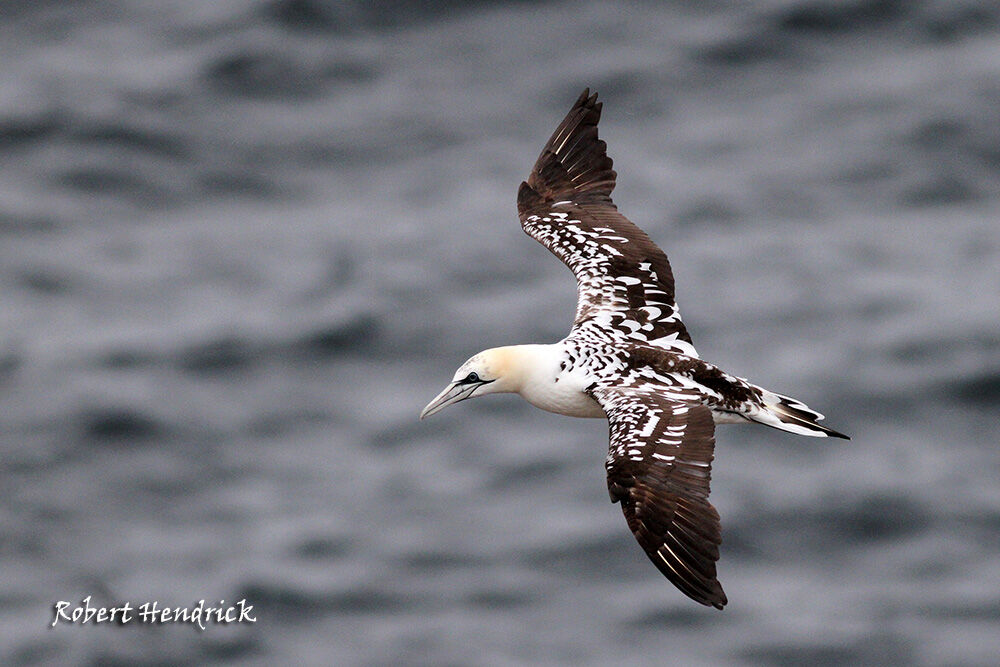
<point x="628" y="357"/>
<point x="626" y="288"/>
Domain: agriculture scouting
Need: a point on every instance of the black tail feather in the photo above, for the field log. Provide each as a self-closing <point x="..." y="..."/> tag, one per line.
<point x="791" y="411"/>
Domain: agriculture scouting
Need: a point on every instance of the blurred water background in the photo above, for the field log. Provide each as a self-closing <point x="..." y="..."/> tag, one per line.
<point x="242" y="243"/>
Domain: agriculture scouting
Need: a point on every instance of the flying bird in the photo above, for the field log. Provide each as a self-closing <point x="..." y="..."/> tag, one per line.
<point x="629" y="358"/>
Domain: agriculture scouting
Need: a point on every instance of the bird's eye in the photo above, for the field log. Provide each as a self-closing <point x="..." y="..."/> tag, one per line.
<point x="472" y="377"/>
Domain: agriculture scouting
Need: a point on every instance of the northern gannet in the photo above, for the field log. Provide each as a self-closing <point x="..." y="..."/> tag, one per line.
<point x="628" y="357"/>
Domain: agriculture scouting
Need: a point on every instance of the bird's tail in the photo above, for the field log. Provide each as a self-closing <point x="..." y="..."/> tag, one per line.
<point x="788" y="414"/>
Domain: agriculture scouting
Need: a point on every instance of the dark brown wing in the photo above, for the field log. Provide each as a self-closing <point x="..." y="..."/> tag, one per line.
<point x="659" y="467"/>
<point x="626" y="287"/>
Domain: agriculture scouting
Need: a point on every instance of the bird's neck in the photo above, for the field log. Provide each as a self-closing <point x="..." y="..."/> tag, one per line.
<point x="536" y="373"/>
<point x="526" y="368"/>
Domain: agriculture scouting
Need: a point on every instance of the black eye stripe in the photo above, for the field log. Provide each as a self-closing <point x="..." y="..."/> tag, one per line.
<point x="473" y="378"/>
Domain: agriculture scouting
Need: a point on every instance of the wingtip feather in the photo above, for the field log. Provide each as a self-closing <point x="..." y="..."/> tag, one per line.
<point x="574" y="164"/>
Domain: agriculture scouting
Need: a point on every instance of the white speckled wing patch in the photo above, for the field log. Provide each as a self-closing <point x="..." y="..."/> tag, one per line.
<point x="659" y="468"/>
<point x="626" y="287"/>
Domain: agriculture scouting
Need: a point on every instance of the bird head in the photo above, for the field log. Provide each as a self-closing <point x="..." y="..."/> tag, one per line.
<point x="486" y="373"/>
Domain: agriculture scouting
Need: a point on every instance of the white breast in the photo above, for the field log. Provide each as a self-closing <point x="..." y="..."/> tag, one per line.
<point x="564" y="399"/>
<point x="548" y="387"/>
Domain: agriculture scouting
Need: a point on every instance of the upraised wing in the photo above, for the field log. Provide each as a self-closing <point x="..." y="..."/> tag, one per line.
<point x="625" y="285"/>
<point x="659" y="467"/>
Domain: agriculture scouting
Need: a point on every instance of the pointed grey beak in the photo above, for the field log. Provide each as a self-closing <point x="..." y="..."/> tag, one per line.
<point x="453" y="393"/>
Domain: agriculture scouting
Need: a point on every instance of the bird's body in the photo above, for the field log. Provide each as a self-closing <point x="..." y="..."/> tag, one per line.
<point x="629" y="358"/>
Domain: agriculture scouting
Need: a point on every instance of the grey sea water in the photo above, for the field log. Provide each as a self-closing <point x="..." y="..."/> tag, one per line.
<point x="242" y="243"/>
